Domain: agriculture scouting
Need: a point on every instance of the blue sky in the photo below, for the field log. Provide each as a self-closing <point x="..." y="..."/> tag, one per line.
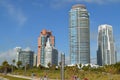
<point x="21" y="22"/>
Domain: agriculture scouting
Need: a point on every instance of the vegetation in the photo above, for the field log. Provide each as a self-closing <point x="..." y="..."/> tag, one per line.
<point x="19" y="63"/>
<point x="5" y="67"/>
<point x="13" y="61"/>
<point x="107" y="72"/>
<point x="13" y="65"/>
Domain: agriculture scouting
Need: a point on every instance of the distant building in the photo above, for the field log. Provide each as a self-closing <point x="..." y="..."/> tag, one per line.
<point x="25" y="56"/>
<point x="55" y="56"/>
<point x="18" y="49"/>
<point x="35" y="59"/>
<point x="79" y="35"/>
<point x="46" y="50"/>
<point x="106" y="53"/>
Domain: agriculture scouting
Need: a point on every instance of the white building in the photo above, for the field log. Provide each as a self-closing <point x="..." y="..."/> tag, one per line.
<point x="51" y="55"/>
<point x="17" y="49"/>
<point x="106" y="53"/>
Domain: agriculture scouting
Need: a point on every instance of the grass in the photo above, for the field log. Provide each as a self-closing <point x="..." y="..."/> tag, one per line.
<point x="99" y="76"/>
<point x="53" y="74"/>
<point x="12" y="78"/>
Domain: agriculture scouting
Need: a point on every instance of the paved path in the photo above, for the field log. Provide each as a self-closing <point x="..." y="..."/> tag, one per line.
<point x="20" y="76"/>
<point x="26" y="77"/>
<point x="1" y="78"/>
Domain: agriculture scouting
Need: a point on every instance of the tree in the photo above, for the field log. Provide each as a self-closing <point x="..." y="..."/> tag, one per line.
<point x="49" y="64"/>
<point x="27" y="66"/>
<point x="53" y="67"/>
<point x="13" y="61"/>
<point x="5" y="66"/>
<point x="60" y="63"/>
<point x="19" y="63"/>
<point x="80" y="65"/>
<point x="13" y="64"/>
<point x="41" y="67"/>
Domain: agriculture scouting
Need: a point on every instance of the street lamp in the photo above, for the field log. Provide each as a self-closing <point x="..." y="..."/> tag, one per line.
<point x="62" y="65"/>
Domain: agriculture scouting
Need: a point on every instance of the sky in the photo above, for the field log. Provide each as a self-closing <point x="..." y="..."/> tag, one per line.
<point x="21" y="22"/>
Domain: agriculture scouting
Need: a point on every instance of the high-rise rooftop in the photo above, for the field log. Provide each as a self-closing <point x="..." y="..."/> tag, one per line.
<point x="78" y="6"/>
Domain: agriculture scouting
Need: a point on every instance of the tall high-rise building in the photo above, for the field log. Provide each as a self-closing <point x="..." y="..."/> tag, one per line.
<point x="79" y="35"/>
<point x="46" y="43"/>
<point x="106" y="53"/>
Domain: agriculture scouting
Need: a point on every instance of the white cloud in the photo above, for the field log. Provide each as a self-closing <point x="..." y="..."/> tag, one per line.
<point x="9" y="55"/>
<point x="27" y="49"/>
<point x="16" y="14"/>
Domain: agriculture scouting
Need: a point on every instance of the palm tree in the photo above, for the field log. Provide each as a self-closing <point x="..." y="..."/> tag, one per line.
<point x="49" y="64"/>
<point x="80" y="65"/>
<point x="19" y="63"/>
<point x="13" y="61"/>
<point x="5" y="66"/>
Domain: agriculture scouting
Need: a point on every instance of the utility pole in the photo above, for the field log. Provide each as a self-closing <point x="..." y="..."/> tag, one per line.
<point x="62" y="65"/>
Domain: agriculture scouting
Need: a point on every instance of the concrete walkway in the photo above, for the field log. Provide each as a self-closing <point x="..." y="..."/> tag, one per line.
<point x="1" y="78"/>
<point x="20" y="76"/>
<point x="27" y="77"/>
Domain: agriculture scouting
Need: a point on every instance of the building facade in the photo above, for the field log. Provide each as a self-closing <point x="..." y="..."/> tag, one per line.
<point x="54" y="56"/>
<point x="25" y="56"/>
<point x="79" y="35"/>
<point x="17" y="50"/>
<point x="46" y="43"/>
<point x="51" y="54"/>
<point x="106" y="53"/>
<point x="35" y="59"/>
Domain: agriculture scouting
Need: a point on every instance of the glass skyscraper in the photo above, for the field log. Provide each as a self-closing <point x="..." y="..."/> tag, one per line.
<point x="106" y="53"/>
<point x="79" y="35"/>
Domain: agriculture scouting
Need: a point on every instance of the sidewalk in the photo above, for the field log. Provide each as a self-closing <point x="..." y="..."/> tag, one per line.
<point x="27" y="77"/>
<point x="1" y="78"/>
<point x="20" y="76"/>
